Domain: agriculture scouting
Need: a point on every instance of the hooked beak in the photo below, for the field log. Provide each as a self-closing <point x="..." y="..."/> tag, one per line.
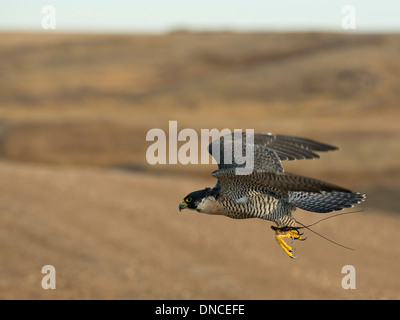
<point x="182" y="206"/>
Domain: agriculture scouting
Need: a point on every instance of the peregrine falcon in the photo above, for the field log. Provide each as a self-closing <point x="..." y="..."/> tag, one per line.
<point x="268" y="192"/>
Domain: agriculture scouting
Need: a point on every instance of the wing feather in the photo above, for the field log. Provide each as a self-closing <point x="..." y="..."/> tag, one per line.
<point x="269" y="149"/>
<point x="303" y="192"/>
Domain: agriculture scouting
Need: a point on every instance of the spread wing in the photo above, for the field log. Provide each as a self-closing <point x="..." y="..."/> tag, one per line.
<point x="268" y="175"/>
<point x="268" y="150"/>
<point x="290" y="147"/>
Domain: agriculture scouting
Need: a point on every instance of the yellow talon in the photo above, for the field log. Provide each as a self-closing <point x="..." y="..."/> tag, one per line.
<point x="295" y="234"/>
<point x="281" y="233"/>
<point x="283" y="244"/>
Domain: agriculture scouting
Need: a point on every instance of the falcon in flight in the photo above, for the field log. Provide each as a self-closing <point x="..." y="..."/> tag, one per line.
<point x="267" y="191"/>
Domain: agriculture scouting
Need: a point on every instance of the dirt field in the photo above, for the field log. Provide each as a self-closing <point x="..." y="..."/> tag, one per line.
<point x="77" y="192"/>
<point x="112" y="234"/>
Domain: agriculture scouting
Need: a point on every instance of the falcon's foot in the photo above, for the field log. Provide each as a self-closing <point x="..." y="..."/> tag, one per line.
<point x="287" y="232"/>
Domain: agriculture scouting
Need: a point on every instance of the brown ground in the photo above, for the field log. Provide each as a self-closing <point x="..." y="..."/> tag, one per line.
<point x="77" y="192"/>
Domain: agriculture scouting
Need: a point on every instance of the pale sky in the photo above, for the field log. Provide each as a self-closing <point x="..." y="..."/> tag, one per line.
<point x="163" y="16"/>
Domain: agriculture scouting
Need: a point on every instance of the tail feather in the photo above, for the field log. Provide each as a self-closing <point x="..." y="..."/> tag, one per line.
<point x="324" y="201"/>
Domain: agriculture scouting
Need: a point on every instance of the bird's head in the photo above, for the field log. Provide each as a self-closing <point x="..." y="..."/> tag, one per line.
<point x="192" y="200"/>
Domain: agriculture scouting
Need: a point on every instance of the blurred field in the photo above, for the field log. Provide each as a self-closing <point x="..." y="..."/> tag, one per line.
<point x="77" y="192"/>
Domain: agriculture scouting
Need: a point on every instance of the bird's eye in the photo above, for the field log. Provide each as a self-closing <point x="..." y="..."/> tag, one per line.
<point x="188" y="199"/>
